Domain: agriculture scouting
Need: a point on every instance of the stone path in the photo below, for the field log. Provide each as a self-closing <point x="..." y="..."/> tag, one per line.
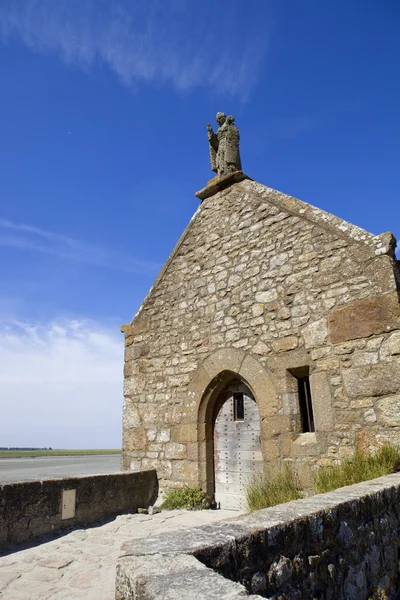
<point x="81" y="564"/>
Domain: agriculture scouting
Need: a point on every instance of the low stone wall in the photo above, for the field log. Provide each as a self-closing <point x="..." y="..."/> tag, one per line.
<point x="343" y="545"/>
<point x="30" y="509"/>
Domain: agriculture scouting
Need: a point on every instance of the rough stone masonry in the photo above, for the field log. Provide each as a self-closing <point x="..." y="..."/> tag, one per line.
<point x="295" y="305"/>
<point x="343" y="545"/>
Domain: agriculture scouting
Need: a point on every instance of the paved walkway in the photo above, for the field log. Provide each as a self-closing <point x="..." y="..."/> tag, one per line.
<point x="81" y="564"/>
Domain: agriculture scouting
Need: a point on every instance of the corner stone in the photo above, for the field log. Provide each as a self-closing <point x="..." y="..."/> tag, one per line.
<point x="378" y="380"/>
<point x="365" y="317"/>
<point x="315" y="334"/>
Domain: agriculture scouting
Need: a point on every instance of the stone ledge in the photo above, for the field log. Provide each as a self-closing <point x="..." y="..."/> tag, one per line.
<point x="220" y="183"/>
<point x="325" y="542"/>
<point x="32" y="509"/>
<point x="181" y="576"/>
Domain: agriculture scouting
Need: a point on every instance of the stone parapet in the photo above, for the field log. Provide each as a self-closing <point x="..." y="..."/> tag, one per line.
<point x="31" y="509"/>
<point x="342" y="545"/>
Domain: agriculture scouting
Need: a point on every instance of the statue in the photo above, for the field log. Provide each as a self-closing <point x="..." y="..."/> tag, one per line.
<point x="224" y="146"/>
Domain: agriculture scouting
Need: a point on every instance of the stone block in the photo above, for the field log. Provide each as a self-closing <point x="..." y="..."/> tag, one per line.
<point x="391" y="346"/>
<point x="286" y="444"/>
<point x="164" y="435"/>
<point x="304" y="474"/>
<point x="135" y="438"/>
<point x="285" y="344"/>
<point x="193" y="452"/>
<point x="153" y="577"/>
<point x="174" y="450"/>
<point x="275" y="425"/>
<point x="329" y="363"/>
<point x="349" y="416"/>
<point x="321" y="402"/>
<point x="369" y="415"/>
<point x="365" y="317"/>
<point x="185" y="433"/>
<point x="266" y="297"/>
<point x="377" y="380"/>
<point x="289" y="360"/>
<point x="131" y="416"/>
<point x="220" y="361"/>
<point x="388" y="411"/>
<point x="271" y="450"/>
<point x="305" y="445"/>
<point x="261" y="384"/>
<point x="172" y="416"/>
<point x="361" y="359"/>
<point x="381" y="273"/>
<point x="260" y="348"/>
<point x="369" y="439"/>
<point x="315" y="333"/>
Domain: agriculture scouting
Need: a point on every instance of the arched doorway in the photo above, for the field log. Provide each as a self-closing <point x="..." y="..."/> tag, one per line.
<point x="237" y="444"/>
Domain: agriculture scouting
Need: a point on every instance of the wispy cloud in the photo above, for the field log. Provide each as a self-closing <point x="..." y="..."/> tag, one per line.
<point x="186" y="43"/>
<point x="60" y="384"/>
<point x="28" y="237"/>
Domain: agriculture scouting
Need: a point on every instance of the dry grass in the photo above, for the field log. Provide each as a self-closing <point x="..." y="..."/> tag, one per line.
<point x="271" y="488"/>
<point x="282" y="486"/>
<point x="361" y="467"/>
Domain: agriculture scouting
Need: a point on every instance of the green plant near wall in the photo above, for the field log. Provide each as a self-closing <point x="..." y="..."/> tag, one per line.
<point x="273" y="487"/>
<point x="360" y="467"/>
<point x="277" y="487"/>
<point x="191" y="498"/>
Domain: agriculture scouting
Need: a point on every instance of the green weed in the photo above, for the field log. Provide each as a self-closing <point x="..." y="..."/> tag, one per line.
<point x="361" y="467"/>
<point x="185" y="497"/>
<point x="271" y="488"/>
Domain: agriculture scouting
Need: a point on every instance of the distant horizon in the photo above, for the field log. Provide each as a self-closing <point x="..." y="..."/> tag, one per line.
<point x="49" y="448"/>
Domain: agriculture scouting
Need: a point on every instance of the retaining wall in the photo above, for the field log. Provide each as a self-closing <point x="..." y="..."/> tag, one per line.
<point x="30" y="509"/>
<point x="343" y="545"/>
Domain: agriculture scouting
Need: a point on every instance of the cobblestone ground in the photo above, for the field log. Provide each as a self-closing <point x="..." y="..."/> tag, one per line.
<point x="81" y="564"/>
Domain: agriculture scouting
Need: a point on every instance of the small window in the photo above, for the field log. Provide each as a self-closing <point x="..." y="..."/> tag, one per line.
<point x="305" y="401"/>
<point x="238" y="407"/>
<point x="306" y="410"/>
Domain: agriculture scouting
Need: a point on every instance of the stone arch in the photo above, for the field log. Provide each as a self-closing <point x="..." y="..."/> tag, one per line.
<point x="208" y="381"/>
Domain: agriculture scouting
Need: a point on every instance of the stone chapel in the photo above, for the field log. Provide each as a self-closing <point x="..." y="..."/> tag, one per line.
<point x="271" y="333"/>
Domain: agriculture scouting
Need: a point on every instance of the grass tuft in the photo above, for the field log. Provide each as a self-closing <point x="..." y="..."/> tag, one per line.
<point x="192" y="498"/>
<point x="271" y="488"/>
<point x="361" y="467"/>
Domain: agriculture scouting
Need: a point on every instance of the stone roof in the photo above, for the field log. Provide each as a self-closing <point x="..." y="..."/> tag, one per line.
<point x="384" y="243"/>
<point x="378" y="245"/>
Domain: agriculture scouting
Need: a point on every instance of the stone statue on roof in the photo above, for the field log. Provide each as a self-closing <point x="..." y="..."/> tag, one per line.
<point x="224" y="146"/>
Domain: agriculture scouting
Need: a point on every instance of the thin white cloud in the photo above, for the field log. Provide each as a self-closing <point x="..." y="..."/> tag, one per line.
<point x="28" y="237"/>
<point x="60" y="384"/>
<point x="186" y="43"/>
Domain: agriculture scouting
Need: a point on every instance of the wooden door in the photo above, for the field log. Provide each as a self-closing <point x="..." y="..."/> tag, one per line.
<point x="237" y="446"/>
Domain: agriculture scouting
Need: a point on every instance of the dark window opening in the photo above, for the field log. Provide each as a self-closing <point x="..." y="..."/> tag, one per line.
<point x="306" y="411"/>
<point x="238" y="407"/>
<point x="305" y="400"/>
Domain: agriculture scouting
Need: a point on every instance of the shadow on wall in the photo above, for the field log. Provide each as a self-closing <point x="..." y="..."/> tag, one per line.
<point x="33" y="509"/>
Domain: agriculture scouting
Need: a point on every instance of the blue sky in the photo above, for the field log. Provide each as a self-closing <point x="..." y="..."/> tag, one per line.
<point x="103" y="144"/>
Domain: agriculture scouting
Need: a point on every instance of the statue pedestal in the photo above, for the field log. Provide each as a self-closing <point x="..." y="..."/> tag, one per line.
<point x="220" y="183"/>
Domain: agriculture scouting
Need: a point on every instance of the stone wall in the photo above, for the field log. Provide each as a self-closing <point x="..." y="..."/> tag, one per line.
<point x="259" y="285"/>
<point x="30" y="509"/>
<point x="343" y="545"/>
